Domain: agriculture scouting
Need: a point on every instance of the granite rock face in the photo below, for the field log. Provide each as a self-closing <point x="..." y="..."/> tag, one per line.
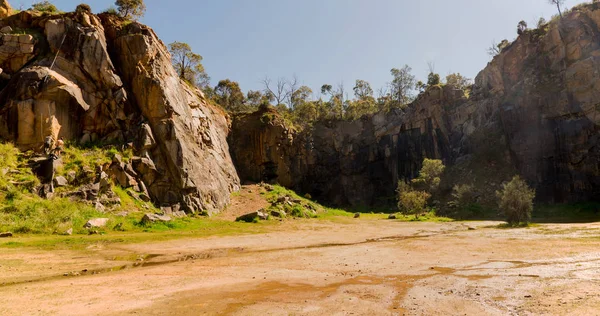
<point x="534" y="110"/>
<point x="95" y="79"/>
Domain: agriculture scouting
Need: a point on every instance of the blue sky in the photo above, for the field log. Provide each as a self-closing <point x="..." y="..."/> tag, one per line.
<point x="333" y="41"/>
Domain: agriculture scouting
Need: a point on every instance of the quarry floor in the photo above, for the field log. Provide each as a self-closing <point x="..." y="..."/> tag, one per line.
<point x="357" y="267"/>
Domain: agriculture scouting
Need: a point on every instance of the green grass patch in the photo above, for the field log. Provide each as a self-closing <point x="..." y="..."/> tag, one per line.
<point x="180" y="228"/>
<point x="427" y="217"/>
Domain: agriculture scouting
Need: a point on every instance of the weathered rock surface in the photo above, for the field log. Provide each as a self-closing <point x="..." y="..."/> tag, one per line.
<point x="61" y="80"/>
<point x="184" y="137"/>
<point x="534" y="110"/>
<point x="5" y="9"/>
<point x="251" y="217"/>
<point x="96" y="223"/>
<point x="153" y="218"/>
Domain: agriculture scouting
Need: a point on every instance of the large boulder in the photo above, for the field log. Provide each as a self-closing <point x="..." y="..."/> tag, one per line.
<point x="191" y="154"/>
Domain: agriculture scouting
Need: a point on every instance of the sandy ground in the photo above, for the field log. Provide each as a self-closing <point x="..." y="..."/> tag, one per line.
<point x="365" y="267"/>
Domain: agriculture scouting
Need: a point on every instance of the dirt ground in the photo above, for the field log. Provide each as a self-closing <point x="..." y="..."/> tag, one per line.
<point x="362" y="267"/>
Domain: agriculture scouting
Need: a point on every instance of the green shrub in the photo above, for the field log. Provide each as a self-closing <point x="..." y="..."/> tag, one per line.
<point x="463" y="200"/>
<point x="516" y="201"/>
<point x="111" y="10"/>
<point x="411" y="201"/>
<point x="430" y="175"/>
<point x="45" y="7"/>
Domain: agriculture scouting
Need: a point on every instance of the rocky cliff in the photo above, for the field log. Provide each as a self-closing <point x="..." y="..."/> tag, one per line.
<point x="534" y="110"/>
<point x="97" y="80"/>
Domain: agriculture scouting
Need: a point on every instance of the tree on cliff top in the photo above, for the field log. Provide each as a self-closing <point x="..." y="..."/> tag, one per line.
<point x="131" y="8"/>
<point x="229" y="95"/>
<point x="188" y="64"/>
<point x="44" y="6"/>
<point x="402" y="85"/>
<point x="557" y="3"/>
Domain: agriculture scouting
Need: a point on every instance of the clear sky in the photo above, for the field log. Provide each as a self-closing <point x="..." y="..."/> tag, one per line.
<point x="333" y="41"/>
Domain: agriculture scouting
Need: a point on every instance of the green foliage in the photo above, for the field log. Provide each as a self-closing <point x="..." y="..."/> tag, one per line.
<point x="411" y="201"/>
<point x="516" y="201"/>
<point x="131" y="9"/>
<point x="112" y="10"/>
<point x="413" y="196"/>
<point x="433" y="79"/>
<point x="458" y="81"/>
<point x="229" y="95"/>
<point x="34" y="215"/>
<point x="402" y="84"/>
<point x="188" y="64"/>
<point x="76" y="158"/>
<point x="45" y="7"/>
<point x="430" y="175"/>
<point x="464" y="203"/>
<point x="15" y="176"/>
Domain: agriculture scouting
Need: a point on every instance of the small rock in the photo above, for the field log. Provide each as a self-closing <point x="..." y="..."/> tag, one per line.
<point x="392" y="216"/>
<point x="60" y="181"/>
<point x="6" y="29"/>
<point x="249" y="218"/>
<point x="356" y="215"/>
<point x="283" y="199"/>
<point x="153" y="218"/>
<point x="471" y="228"/>
<point x="96" y="223"/>
<point x="144" y="197"/>
<point x="5" y="235"/>
<point x="99" y="207"/>
<point x="69" y="232"/>
<point x="278" y="213"/>
<point x="72" y="175"/>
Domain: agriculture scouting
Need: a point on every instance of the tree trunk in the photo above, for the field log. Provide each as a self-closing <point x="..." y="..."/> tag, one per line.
<point x="182" y="72"/>
<point x="559" y="12"/>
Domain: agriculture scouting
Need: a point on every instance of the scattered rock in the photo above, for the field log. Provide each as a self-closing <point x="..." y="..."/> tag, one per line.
<point x="392" y="216"/>
<point x="60" y="181"/>
<point x="99" y="207"/>
<point x="251" y="217"/>
<point x="68" y="232"/>
<point x="5" y="235"/>
<point x="6" y="30"/>
<point x="144" y="197"/>
<point x="153" y="218"/>
<point x="278" y="213"/>
<point x="71" y="175"/>
<point x="356" y="215"/>
<point x="96" y="223"/>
